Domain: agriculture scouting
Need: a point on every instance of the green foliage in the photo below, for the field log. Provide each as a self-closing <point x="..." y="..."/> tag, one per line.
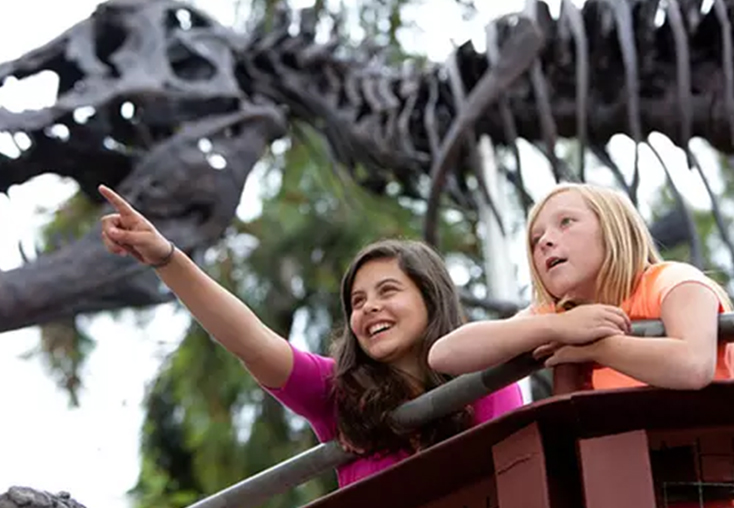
<point x="70" y="222"/>
<point x="190" y="440"/>
<point x="715" y="266"/>
<point x="63" y="347"/>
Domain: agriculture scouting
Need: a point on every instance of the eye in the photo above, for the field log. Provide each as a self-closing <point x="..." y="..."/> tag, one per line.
<point x="565" y="221"/>
<point x="357" y="302"/>
<point x="388" y="289"/>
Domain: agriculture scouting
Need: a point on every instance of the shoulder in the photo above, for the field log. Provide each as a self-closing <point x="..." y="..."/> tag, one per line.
<point x="672" y="270"/>
<point x="320" y="363"/>
<point x="665" y="275"/>
<point x="662" y="278"/>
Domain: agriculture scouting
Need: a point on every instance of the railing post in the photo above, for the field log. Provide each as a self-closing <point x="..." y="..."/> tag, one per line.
<point x="571" y="377"/>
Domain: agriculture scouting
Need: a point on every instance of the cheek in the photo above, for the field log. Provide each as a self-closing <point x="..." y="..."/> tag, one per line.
<point x="537" y="262"/>
<point x="422" y="310"/>
<point x="536" y="259"/>
<point x="354" y="322"/>
<point x="600" y="250"/>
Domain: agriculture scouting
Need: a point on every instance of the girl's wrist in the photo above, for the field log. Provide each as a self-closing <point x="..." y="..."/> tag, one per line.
<point x="599" y="350"/>
<point x="167" y="258"/>
<point x="551" y="328"/>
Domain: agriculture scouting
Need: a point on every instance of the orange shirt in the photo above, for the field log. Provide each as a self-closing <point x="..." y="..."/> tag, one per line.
<point x="646" y="303"/>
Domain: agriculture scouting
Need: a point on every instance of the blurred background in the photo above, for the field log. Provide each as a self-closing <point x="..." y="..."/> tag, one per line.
<point x="139" y="408"/>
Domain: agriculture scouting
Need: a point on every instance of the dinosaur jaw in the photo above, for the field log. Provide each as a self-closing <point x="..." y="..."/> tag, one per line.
<point x="175" y="186"/>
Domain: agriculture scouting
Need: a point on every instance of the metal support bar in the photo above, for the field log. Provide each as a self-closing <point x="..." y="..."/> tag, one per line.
<point x="257" y="489"/>
<point x="655" y="328"/>
<point x="445" y="399"/>
<point x="463" y="390"/>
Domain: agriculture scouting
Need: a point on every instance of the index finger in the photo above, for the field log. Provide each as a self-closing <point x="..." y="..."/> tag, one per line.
<point x="623" y="316"/>
<point x="116" y="200"/>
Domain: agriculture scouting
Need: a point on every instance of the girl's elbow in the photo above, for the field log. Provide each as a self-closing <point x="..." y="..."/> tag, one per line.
<point x="700" y="375"/>
<point x="439" y="358"/>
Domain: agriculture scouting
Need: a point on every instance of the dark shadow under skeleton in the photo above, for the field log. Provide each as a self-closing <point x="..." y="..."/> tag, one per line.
<point x="590" y="74"/>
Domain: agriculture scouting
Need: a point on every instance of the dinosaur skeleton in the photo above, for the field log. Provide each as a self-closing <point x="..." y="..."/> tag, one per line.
<point x="610" y="67"/>
<point x="187" y="78"/>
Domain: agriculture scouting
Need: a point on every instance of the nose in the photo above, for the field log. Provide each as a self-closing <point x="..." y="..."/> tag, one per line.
<point x="372" y="305"/>
<point x="547" y="240"/>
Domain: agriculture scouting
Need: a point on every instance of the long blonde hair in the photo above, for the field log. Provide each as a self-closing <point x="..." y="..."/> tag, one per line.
<point x="628" y="246"/>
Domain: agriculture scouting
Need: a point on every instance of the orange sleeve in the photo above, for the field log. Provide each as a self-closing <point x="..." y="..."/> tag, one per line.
<point x="535" y="309"/>
<point x="674" y="274"/>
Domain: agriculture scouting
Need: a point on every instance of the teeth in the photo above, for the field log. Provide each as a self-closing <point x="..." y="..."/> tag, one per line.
<point x="376" y="328"/>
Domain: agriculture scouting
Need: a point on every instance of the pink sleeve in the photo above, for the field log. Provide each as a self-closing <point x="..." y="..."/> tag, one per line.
<point x="675" y="274"/>
<point x="498" y="403"/>
<point x="307" y="392"/>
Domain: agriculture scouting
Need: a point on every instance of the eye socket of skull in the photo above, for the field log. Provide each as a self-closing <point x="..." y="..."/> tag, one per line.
<point x="188" y="65"/>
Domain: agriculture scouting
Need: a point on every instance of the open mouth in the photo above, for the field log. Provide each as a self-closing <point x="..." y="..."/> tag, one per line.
<point x="378" y="328"/>
<point x="553" y="262"/>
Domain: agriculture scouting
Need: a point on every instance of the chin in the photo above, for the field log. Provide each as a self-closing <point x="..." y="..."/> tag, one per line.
<point x="382" y="357"/>
<point x="375" y="353"/>
<point x="561" y="291"/>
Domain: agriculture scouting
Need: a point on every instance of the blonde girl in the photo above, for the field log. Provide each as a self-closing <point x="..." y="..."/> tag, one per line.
<point x="594" y="269"/>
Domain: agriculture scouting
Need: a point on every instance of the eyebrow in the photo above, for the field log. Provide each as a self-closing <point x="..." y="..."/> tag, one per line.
<point x="569" y="209"/>
<point x="389" y="279"/>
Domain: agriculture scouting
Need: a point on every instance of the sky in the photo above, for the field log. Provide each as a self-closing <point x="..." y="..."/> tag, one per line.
<point x="92" y="451"/>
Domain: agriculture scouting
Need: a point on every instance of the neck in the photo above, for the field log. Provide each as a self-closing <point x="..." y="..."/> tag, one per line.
<point x="411" y="371"/>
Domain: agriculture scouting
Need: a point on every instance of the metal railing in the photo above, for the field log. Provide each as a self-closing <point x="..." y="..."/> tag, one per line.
<point x="445" y="399"/>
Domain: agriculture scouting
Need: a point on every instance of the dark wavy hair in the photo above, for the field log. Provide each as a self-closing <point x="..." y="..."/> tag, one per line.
<point x="366" y="390"/>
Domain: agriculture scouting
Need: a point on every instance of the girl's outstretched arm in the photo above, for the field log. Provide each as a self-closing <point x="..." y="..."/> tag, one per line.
<point x="685" y="359"/>
<point x="265" y="354"/>
<point x="479" y="345"/>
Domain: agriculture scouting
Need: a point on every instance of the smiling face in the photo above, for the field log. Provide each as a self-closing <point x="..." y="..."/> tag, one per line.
<point x="389" y="316"/>
<point x="567" y="247"/>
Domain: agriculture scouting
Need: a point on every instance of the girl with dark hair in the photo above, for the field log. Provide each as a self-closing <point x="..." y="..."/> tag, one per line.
<point x="397" y="298"/>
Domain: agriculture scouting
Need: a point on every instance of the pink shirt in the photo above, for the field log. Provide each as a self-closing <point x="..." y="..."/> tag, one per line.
<point x="308" y="393"/>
